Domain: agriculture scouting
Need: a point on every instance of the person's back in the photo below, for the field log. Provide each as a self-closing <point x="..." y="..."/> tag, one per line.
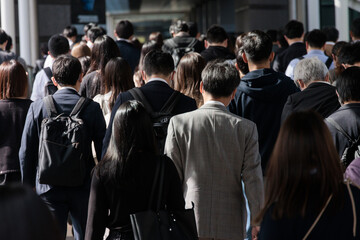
<point x="262" y="92"/>
<point x="294" y="34"/>
<point x="214" y="151"/>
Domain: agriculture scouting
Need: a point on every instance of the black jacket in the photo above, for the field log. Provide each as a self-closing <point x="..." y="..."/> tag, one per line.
<point x="181" y="41"/>
<point x="129" y="52"/>
<point x="283" y="59"/>
<point x="260" y="97"/>
<point x="318" y="96"/>
<point x="217" y="52"/>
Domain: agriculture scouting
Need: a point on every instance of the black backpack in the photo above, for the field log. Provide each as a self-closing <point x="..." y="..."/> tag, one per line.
<point x="178" y="52"/>
<point x="352" y="151"/>
<point x="50" y="88"/>
<point x="160" y="119"/>
<point x="61" y="146"/>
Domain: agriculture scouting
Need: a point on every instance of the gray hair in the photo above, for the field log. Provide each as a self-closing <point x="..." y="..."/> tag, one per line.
<point x="309" y="70"/>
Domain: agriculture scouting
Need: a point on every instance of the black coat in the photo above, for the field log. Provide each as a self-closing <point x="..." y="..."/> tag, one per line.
<point x="129" y="52"/>
<point x="318" y="96"/>
<point x="217" y="52"/>
<point x="283" y="59"/>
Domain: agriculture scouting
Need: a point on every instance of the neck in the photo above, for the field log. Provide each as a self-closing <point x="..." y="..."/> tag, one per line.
<point x="257" y="66"/>
<point x="166" y="78"/>
<point x="76" y="87"/>
<point x="224" y="100"/>
<point x="312" y="48"/>
<point x="294" y="40"/>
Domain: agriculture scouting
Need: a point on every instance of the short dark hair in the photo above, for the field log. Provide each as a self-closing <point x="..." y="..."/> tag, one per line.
<point x="350" y="53"/>
<point x="94" y="32"/>
<point x="124" y="29"/>
<point x="332" y="34"/>
<point x="273" y="34"/>
<point x="355" y="27"/>
<point x="9" y="44"/>
<point x="70" y="31"/>
<point x="3" y="36"/>
<point x="66" y="70"/>
<point x="220" y="79"/>
<point x="293" y="29"/>
<point x="257" y="46"/>
<point x="193" y="29"/>
<point x="58" y="45"/>
<point x="348" y="84"/>
<point x="158" y="62"/>
<point x="180" y="26"/>
<point x="316" y="38"/>
<point x="216" y="34"/>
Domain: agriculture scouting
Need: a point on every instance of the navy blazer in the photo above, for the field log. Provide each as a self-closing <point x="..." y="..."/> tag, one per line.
<point x="157" y="93"/>
<point x="129" y="52"/>
<point x="65" y="100"/>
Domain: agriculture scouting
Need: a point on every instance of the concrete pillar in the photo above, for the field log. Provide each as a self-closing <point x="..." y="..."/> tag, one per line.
<point x="24" y="30"/>
<point x="292" y="10"/>
<point x="34" y="36"/>
<point x="8" y="19"/>
<point x="342" y="19"/>
<point x="313" y="10"/>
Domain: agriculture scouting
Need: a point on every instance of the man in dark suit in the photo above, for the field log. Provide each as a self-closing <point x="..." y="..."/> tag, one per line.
<point x="311" y="75"/>
<point x="62" y="200"/>
<point x="158" y="72"/>
<point x="294" y="35"/>
<point x="262" y="93"/>
<point x="124" y="32"/>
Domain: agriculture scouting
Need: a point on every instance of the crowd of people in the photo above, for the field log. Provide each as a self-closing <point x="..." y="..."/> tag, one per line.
<point x="269" y="120"/>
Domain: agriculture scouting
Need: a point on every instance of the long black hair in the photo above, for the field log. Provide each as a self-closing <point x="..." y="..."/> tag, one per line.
<point x="132" y="132"/>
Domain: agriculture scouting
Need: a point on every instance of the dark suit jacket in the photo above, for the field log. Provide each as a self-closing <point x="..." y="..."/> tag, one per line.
<point x="318" y="96"/>
<point x="129" y="52"/>
<point x="217" y="52"/>
<point x="157" y="93"/>
<point x="283" y="59"/>
<point x="260" y="97"/>
<point x="348" y="117"/>
<point x="65" y="100"/>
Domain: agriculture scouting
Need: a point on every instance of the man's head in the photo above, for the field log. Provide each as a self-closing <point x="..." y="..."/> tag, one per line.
<point x="294" y="29"/>
<point x="332" y="34"/>
<point x="70" y="32"/>
<point x="350" y="55"/>
<point x="158" y="63"/>
<point x="216" y="35"/>
<point x="58" y="45"/>
<point x="124" y="29"/>
<point x="66" y="70"/>
<point x="94" y="32"/>
<point x="179" y="26"/>
<point x="355" y="29"/>
<point x="257" y="47"/>
<point x="3" y="39"/>
<point x="219" y="79"/>
<point x="348" y="85"/>
<point x="310" y="70"/>
<point x="316" y="39"/>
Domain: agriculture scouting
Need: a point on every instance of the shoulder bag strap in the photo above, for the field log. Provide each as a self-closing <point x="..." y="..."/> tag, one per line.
<point x="50" y="106"/>
<point x="79" y="106"/>
<point x="353" y="207"/>
<point x="153" y="188"/>
<point x="339" y="128"/>
<point x="138" y="95"/>
<point x="48" y="73"/>
<point x="171" y="102"/>
<point x="161" y="182"/>
<point x="328" y="62"/>
<point x="318" y="218"/>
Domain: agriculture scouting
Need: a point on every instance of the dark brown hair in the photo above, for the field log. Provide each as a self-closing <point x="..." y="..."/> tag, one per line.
<point x="13" y="80"/>
<point x="304" y="169"/>
<point x="117" y="79"/>
<point x="188" y="76"/>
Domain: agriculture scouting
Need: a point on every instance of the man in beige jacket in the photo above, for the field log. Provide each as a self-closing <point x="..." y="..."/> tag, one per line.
<point x="214" y="151"/>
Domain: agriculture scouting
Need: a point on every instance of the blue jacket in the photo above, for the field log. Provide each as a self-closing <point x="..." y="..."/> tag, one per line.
<point x="65" y="100"/>
<point x="260" y="97"/>
<point x="129" y="52"/>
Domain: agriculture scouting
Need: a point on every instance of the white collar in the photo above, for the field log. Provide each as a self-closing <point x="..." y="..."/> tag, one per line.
<point x="330" y="43"/>
<point x="123" y="39"/>
<point x="214" y="102"/>
<point x="157" y="79"/>
<point x="67" y="87"/>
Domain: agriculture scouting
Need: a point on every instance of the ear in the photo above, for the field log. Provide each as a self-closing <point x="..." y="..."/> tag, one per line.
<point x="233" y="94"/>
<point x="115" y="33"/>
<point x="351" y="35"/>
<point x="271" y="57"/>
<point x="237" y="67"/>
<point x="172" y="75"/>
<point x="306" y="45"/>
<point x="301" y="84"/>
<point x="201" y="87"/>
<point x="327" y="78"/>
<point x="286" y="38"/>
<point x="143" y="75"/>
<point x="54" y="82"/>
<point x="226" y="42"/>
<point x="206" y="43"/>
<point x="244" y="57"/>
<point x="81" y="77"/>
<point x="345" y="65"/>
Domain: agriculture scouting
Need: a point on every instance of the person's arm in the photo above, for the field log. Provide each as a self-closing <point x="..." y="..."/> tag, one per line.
<point x="97" y="210"/>
<point x="38" y="90"/>
<point x="252" y="174"/>
<point x="175" y="199"/>
<point x="28" y="153"/>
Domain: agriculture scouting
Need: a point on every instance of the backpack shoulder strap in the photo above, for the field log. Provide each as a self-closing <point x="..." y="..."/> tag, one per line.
<point x="138" y="95"/>
<point x="48" y="73"/>
<point x="300" y="58"/>
<point x="50" y="106"/>
<point x="79" y="106"/>
<point x="192" y="43"/>
<point x="328" y="62"/>
<point x="172" y="43"/>
<point x="339" y="128"/>
<point x="171" y="102"/>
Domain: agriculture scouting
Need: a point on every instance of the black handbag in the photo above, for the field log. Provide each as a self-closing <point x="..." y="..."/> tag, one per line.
<point x="163" y="224"/>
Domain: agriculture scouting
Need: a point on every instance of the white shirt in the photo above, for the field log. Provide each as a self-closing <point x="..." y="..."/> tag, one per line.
<point x="38" y="91"/>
